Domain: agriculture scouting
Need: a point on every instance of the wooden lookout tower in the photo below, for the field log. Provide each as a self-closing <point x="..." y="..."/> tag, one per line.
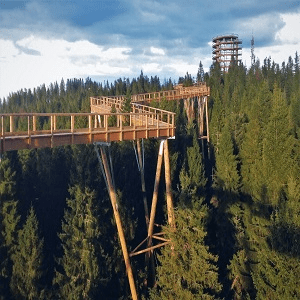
<point x="227" y="49"/>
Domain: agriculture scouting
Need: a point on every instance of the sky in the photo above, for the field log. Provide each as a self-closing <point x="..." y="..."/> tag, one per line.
<point x="47" y="40"/>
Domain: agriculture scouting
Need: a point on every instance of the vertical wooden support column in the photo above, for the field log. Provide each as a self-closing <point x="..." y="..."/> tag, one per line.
<point x="11" y="123"/>
<point x="95" y="121"/>
<point x="121" y="127"/>
<point x="29" y="131"/>
<point x="155" y="192"/>
<point x="33" y="123"/>
<point x="170" y="207"/>
<point x="51" y="124"/>
<point x="206" y="111"/>
<point x="54" y="122"/>
<point x="72" y="127"/>
<point x="143" y="182"/>
<point x="113" y="198"/>
<point x="2" y="135"/>
<point x="90" y="128"/>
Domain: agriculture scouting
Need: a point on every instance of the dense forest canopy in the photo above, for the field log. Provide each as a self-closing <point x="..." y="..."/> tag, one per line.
<point x="237" y="198"/>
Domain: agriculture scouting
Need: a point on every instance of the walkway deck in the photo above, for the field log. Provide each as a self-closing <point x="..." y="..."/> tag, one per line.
<point x="42" y="130"/>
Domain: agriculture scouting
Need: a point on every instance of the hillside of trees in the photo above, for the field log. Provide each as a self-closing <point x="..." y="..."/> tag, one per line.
<point x="237" y="199"/>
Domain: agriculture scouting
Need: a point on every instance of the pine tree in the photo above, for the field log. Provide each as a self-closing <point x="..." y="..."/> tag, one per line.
<point x="9" y="219"/>
<point x="187" y="269"/>
<point x="251" y="160"/>
<point x="27" y="261"/>
<point x="242" y="286"/>
<point x="277" y="147"/>
<point x="200" y="73"/>
<point x="79" y="275"/>
<point x="192" y="175"/>
<point x="227" y="176"/>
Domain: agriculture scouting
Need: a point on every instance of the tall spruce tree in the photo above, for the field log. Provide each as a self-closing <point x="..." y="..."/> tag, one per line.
<point x="28" y="261"/>
<point x="79" y="274"/>
<point x="277" y="147"/>
<point x="227" y="176"/>
<point x="192" y="175"/>
<point x="187" y="268"/>
<point x="9" y="224"/>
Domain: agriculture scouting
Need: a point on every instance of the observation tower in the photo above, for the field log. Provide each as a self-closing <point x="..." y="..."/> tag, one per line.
<point x="226" y="50"/>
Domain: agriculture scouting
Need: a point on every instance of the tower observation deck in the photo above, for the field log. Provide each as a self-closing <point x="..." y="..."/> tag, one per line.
<point x="226" y="50"/>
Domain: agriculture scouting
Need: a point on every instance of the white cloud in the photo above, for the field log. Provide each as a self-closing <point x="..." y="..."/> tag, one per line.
<point x="157" y="51"/>
<point x="151" y="68"/>
<point x="58" y="59"/>
<point x="289" y="33"/>
<point x="7" y="49"/>
<point x="286" y="43"/>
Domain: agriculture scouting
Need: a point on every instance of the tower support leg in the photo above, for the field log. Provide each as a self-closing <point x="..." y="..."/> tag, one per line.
<point x="149" y="254"/>
<point x="143" y="182"/>
<point x="170" y="207"/>
<point x="155" y="192"/>
<point x="113" y="198"/>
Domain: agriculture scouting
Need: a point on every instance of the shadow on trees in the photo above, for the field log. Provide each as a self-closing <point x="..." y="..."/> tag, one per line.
<point x="223" y="233"/>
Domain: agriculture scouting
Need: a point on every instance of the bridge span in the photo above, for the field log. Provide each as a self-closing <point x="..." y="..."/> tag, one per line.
<point x="41" y="130"/>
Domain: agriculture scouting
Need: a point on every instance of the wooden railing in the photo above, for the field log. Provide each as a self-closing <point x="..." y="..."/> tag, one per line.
<point x="179" y="92"/>
<point x="40" y="130"/>
<point x="107" y="103"/>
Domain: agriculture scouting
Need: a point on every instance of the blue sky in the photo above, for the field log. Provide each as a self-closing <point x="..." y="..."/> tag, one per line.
<point x="44" y="41"/>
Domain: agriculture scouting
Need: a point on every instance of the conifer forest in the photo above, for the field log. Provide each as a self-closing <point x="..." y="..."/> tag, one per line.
<point x="236" y="198"/>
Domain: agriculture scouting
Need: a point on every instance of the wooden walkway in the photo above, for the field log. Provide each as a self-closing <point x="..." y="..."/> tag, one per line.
<point x="41" y="130"/>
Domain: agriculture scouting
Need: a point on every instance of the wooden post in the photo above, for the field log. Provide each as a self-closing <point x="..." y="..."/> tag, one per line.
<point x="170" y="207"/>
<point x="54" y="122"/>
<point x="95" y="121"/>
<point x="113" y="198"/>
<point x="11" y="123"/>
<point x="106" y="127"/>
<point x="2" y="126"/>
<point x="29" y="131"/>
<point x="143" y="182"/>
<point x="147" y="131"/>
<point x="72" y="123"/>
<point x="72" y="128"/>
<point x="121" y="127"/>
<point x="206" y="111"/>
<point x="2" y="135"/>
<point x="28" y="126"/>
<point x="90" y="128"/>
<point x="51" y="124"/>
<point x="155" y="192"/>
<point x="33" y="123"/>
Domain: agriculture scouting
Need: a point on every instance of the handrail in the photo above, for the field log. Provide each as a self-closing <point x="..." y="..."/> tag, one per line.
<point x="38" y="130"/>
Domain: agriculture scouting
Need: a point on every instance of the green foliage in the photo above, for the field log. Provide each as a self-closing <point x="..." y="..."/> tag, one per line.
<point x="80" y="276"/>
<point x="277" y="148"/>
<point x="187" y="269"/>
<point x="112" y="120"/>
<point x="28" y="261"/>
<point x="9" y="223"/>
<point x="227" y="176"/>
<point x="192" y="176"/>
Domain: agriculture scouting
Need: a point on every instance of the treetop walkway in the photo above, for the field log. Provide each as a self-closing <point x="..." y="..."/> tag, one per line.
<point x="40" y="130"/>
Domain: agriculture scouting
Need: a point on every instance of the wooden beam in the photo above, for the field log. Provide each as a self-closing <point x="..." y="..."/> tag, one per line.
<point x="143" y="182"/>
<point x="170" y="207"/>
<point x="113" y="198"/>
<point x="149" y="249"/>
<point x="155" y="191"/>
